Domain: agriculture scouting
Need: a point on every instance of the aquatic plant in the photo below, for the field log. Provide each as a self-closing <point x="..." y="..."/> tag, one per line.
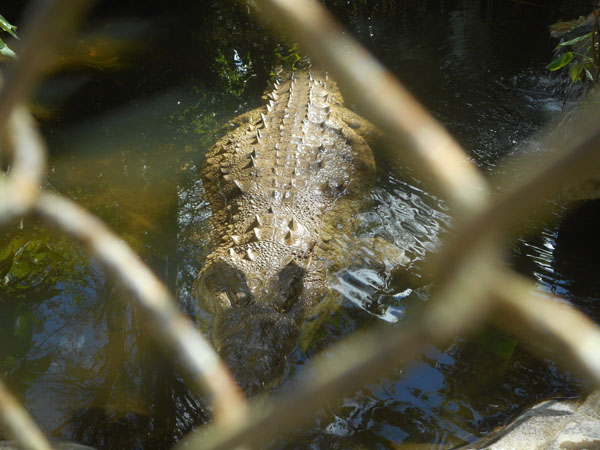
<point x="6" y="26"/>
<point x="583" y="56"/>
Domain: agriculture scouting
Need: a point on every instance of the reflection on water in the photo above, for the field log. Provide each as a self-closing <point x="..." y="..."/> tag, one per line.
<point x="126" y="143"/>
<point x="563" y="257"/>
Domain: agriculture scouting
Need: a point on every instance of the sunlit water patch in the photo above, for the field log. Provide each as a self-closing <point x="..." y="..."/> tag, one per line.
<point x="405" y="220"/>
<point x="562" y="257"/>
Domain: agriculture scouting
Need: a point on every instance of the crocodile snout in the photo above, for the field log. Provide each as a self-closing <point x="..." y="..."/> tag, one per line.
<point x="254" y="342"/>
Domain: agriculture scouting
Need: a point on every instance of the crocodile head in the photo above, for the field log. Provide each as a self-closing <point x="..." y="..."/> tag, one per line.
<point x="259" y="305"/>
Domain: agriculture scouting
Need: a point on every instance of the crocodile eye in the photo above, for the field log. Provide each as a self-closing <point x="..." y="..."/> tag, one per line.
<point x="221" y="287"/>
<point x="294" y="290"/>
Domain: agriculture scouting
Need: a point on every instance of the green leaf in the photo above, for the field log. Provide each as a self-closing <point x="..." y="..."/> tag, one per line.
<point x="4" y="50"/>
<point x="20" y="269"/>
<point x="6" y="26"/>
<point x="576" y="40"/>
<point x="589" y="75"/>
<point x="24" y="326"/>
<point x="6" y="263"/>
<point x="560" y="62"/>
<point x="575" y="71"/>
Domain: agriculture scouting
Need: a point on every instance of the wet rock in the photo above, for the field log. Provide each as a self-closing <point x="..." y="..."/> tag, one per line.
<point x="585" y="186"/>
<point x="574" y="91"/>
<point x="56" y="445"/>
<point x="551" y="425"/>
<point x="566" y="31"/>
<point x="587" y="189"/>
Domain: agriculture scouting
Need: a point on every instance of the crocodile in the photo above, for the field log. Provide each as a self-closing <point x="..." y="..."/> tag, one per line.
<point x="280" y="185"/>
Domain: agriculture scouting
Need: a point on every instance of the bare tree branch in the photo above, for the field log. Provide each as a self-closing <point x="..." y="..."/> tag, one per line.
<point x="477" y="287"/>
<point x="19" y="190"/>
<point x="49" y="22"/>
<point x="463" y="300"/>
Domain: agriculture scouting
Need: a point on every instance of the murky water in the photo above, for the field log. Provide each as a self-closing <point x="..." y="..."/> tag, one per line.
<point x="128" y="120"/>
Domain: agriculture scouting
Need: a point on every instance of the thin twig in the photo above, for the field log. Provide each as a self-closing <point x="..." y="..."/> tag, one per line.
<point x="205" y="371"/>
<point x="18" y="423"/>
<point x="594" y="51"/>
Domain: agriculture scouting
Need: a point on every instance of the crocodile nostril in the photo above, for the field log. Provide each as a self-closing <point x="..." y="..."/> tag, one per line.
<point x="242" y="298"/>
<point x="286" y="301"/>
<point x="286" y="304"/>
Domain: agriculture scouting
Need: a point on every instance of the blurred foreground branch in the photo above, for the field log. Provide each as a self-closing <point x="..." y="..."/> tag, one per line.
<point x="549" y="321"/>
<point x="521" y="197"/>
<point x="478" y="287"/>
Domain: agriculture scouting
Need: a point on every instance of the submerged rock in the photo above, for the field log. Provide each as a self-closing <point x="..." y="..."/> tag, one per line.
<point x="551" y="425"/>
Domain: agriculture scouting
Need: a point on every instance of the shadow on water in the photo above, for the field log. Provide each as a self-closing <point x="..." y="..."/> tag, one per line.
<point x="127" y="124"/>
